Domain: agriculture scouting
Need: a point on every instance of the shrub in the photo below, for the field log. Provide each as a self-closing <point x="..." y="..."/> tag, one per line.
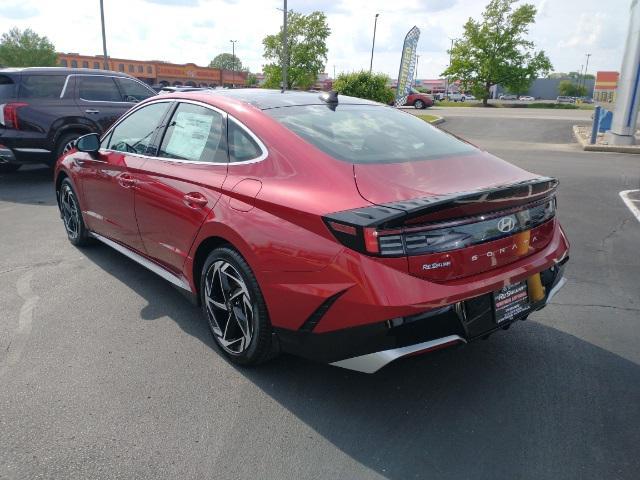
<point x="372" y="86"/>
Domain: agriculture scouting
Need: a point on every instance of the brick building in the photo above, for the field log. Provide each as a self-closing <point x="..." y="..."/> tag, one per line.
<point x="155" y="72"/>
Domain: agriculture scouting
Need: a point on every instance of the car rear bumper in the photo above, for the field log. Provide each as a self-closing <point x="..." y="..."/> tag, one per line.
<point x="370" y="347"/>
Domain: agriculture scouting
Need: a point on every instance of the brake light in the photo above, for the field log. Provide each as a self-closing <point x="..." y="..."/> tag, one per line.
<point x="9" y="114"/>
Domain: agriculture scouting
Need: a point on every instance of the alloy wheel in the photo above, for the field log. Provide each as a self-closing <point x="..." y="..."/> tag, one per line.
<point x="229" y="307"/>
<point x="70" y="212"/>
<point x="69" y="146"/>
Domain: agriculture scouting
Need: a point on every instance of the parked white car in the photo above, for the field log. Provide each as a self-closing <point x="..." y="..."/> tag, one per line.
<point x="527" y="98"/>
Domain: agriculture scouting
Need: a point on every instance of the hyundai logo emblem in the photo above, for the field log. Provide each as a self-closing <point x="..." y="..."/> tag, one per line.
<point x="506" y="224"/>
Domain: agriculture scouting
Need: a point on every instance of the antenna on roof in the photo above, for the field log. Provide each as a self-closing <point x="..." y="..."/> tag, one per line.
<point x="329" y="97"/>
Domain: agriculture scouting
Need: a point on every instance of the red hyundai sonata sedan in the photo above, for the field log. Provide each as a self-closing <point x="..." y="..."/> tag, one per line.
<point x="325" y="226"/>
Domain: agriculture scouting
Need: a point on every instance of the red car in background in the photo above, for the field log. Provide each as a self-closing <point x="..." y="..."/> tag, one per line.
<point x="326" y="226"/>
<point x="417" y="99"/>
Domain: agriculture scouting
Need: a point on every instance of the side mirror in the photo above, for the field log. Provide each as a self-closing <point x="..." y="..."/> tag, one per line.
<point x="89" y="143"/>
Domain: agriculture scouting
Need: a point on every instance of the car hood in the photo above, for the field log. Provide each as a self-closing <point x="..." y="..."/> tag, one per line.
<point x="382" y="183"/>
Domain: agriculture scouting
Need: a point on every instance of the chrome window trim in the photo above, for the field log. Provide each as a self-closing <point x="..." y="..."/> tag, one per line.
<point x="225" y="115"/>
<point x="108" y="76"/>
<point x="64" y="87"/>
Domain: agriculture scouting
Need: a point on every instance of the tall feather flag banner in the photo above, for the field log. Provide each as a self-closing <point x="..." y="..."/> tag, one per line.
<point x="407" y="66"/>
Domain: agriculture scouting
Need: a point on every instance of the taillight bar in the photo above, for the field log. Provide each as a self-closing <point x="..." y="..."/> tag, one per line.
<point x="9" y="114"/>
<point x="443" y="236"/>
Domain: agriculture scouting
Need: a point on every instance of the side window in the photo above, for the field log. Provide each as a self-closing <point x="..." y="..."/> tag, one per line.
<point x="98" y="89"/>
<point x="241" y="146"/>
<point x="133" y="91"/>
<point x="42" y="86"/>
<point x="136" y="132"/>
<point x="195" y="133"/>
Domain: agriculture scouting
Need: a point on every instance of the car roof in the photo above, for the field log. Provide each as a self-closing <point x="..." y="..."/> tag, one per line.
<point x="265" y="99"/>
<point x="63" y="71"/>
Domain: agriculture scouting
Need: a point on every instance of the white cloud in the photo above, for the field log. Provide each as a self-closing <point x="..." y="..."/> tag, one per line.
<point x="197" y="30"/>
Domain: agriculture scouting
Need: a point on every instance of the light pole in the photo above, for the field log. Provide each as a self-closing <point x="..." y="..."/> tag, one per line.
<point x="373" y="45"/>
<point x="415" y="74"/>
<point x="446" y="83"/>
<point x="585" y="71"/>
<point x="104" y="38"/>
<point x="233" y="65"/>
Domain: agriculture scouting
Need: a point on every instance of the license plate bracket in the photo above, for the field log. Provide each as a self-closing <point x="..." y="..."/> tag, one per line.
<point x="511" y="302"/>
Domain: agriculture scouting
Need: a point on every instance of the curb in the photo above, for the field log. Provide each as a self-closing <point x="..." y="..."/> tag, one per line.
<point x="587" y="147"/>
<point x="438" y="120"/>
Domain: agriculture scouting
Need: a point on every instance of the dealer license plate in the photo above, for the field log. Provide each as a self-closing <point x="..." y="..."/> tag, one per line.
<point x="511" y="302"/>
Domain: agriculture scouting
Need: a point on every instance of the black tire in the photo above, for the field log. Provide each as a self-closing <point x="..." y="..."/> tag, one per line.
<point x="419" y="104"/>
<point x="462" y="99"/>
<point x="63" y="143"/>
<point x="226" y="263"/>
<point x="71" y="214"/>
<point x="9" y="167"/>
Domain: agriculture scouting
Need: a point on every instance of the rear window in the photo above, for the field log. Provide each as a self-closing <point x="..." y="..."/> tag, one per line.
<point x="7" y="87"/>
<point x="42" y="86"/>
<point x="98" y="89"/>
<point x="368" y="133"/>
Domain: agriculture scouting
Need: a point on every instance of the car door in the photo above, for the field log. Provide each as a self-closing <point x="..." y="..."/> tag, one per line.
<point x="109" y="180"/>
<point x="100" y="100"/>
<point x="179" y="187"/>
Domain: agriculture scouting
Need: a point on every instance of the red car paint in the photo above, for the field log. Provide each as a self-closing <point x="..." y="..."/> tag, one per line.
<point x="272" y="211"/>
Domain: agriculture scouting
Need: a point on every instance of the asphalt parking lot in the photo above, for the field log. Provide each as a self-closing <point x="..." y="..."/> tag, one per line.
<point x="107" y="372"/>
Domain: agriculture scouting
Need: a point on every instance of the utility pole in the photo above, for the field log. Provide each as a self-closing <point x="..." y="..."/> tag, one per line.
<point x="446" y="80"/>
<point x="415" y="74"/>
<point x="233" y="65"/>
<point x="334" y="72"/>
<point x="585" y="71"/>
<point x="104" y="38"/>
<point x="285" y="48"/>
<point x="580" y="77"/>
<point x="375" y="25"/>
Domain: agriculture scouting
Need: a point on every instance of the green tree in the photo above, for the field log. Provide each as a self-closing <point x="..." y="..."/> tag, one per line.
<point x="26" y="49"/>
<point x="307" y="51"/>
<point x="570" y="89"/>
<point x="251" y="80"/>
<point x="495" y="50"/>
<point x="362" y="84"/>
<point x="226" y="61"/>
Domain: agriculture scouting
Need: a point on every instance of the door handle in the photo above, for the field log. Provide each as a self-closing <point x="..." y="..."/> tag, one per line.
<point x="195" y="200"/>
<point x="91" y="110"/>
<point x="127" y="181"/>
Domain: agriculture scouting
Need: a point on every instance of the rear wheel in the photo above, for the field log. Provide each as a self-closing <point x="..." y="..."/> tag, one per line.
<point x="234" y="308"/>
<point x="72" y="216"/>
<point x="419" y="104"/>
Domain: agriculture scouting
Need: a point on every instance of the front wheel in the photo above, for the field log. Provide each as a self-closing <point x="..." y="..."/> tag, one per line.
<point x="72" y="216"/>
<point x="234" y="308"/>
<point x="419" y="104"/>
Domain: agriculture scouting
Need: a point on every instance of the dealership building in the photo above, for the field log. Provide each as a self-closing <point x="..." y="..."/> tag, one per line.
<point x="156" y="72"/>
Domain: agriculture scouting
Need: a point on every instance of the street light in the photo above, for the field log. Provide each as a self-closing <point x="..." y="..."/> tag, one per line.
<point x="415" y="74"/>
<point x="584" y="84"/>
<point x="375" y="25"/>
<point x="285" y="47"/>
<point x="104" y="38"/>
<point x="233" y="65"/>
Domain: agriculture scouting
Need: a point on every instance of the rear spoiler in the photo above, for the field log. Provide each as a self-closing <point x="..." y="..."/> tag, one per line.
<point x="456" y="205"/>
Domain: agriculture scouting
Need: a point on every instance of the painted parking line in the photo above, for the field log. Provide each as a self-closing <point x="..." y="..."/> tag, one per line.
<point x="631" y="199"/>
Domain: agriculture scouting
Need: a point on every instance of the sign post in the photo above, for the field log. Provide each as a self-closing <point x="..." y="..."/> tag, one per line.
<point x="407" y="66"/>
<point x="625" y="116"/>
